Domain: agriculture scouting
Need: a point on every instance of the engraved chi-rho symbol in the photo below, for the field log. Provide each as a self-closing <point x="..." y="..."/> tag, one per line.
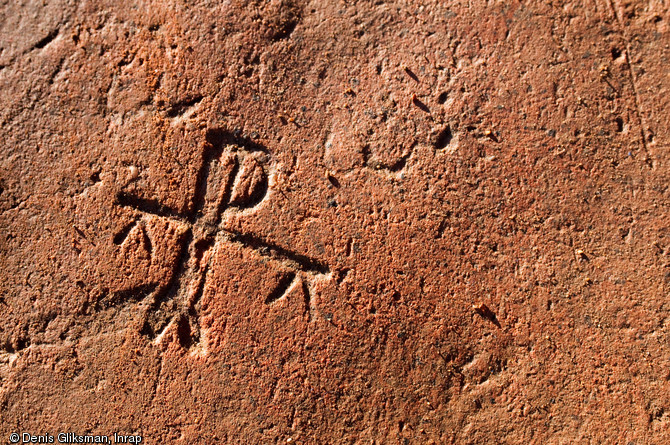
<point x="233" y="177"/>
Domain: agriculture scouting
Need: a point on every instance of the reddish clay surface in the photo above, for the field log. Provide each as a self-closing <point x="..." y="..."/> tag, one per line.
<point x="336" y="222"/>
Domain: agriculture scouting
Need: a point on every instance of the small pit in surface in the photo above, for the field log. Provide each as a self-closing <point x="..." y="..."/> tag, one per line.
<point x="444" y="138"/>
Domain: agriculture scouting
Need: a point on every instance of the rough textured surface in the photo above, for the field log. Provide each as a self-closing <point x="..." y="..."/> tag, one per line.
<point x="336" y="222"/>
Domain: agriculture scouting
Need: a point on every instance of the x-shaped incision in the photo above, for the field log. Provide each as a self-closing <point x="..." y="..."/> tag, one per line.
<point x="233" y="177"/>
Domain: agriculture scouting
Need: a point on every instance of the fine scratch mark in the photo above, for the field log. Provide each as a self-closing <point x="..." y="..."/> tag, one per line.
<point x="633" y="78"/>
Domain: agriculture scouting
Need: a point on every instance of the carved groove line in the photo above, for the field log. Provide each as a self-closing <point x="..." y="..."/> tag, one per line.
<point x="241" y="184"/>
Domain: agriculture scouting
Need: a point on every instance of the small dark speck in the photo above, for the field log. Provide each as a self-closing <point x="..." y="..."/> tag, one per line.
<point x="551" y="133"/>
<point x="254" y="135"/>
<point x="402" y="335"/>
<point x="303" y="108"/>
<point x="332" y="203"/>
<point x="333" y="181"/>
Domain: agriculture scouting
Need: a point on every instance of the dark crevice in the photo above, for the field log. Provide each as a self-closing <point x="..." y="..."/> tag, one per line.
<point x="180" y="270"/>
<point x="217" y="138"/>
<point x="402" y="162"/>
<point x="365" y="152"/>
<point x="146" y="205"/>
<point x="257" y="195"/>
<point x="80" y="232"/>
<point x="341" y="275"/>
<point x="444" y="138"/>
<point x="164" y="307"/>
<point x="151" y="328"/>
<point x="307" y="296"/>
<point x="181" y="107"/>
<point x="411" y="74"/>
<point x="17" y="346"/>
<point x="133" y="295"/>
<point x="121" y="236"/>
<point x="194" y="305"/>
<point x="287" y="19"/>
<point x="201" y="246"/>
<point x="422" y="106"/>
<point x="485" y="312"/>
<point x="58" y="69"/>
<point x="46" y="40"/>
<point x="148" y="245"/>
<point x="268" y="249"/>
<point x="184" y="332"/>
<point x="286" y="30"/>
<point x="333" y="180"/>
<point x="227" y="190"/>
<point x="441" y="228"/>
<point x="198" y="201"/>
<point x="158" y="317"/>
<point x="619" y="124"/>
<point x="279" y="291"/>
<point x="22" y="343"/>
<point x="398" y="165"/>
